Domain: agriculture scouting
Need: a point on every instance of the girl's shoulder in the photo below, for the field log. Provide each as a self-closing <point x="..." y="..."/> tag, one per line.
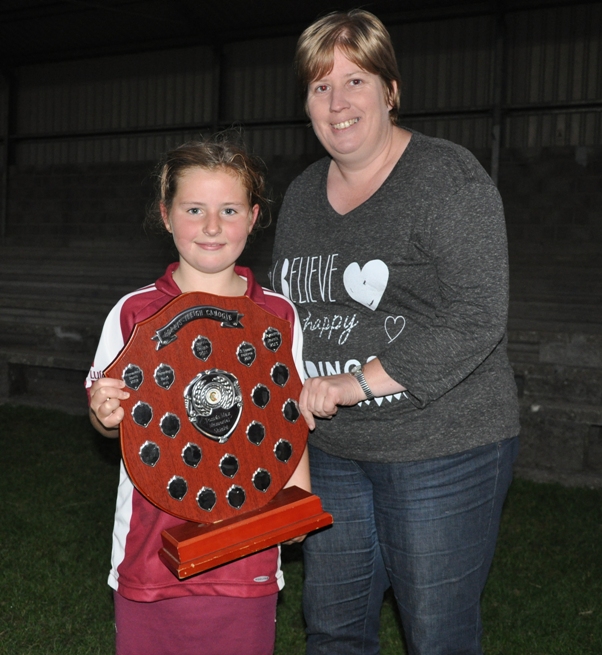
<point x="271" y="301"/>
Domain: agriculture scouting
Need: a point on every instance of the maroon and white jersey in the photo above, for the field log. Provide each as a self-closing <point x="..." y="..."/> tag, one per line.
<point x="137" y="572"/>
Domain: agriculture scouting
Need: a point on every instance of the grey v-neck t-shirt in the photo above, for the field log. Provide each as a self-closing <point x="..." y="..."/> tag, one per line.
<point x="417" y="276"/>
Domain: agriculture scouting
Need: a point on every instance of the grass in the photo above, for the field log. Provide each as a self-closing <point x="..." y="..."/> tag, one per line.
<point x="58" y="484"/>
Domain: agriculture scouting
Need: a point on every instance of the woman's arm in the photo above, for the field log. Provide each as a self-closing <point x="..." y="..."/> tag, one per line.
<point x="470" y="301"/>
<point x="322" y="396"/>
<point x="467" y="243"/>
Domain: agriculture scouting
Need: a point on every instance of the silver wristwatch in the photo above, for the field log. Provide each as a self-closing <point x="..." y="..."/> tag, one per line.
<point x="358" y="373"/>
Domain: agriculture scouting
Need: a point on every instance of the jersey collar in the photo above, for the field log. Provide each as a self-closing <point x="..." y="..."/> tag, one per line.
<point x="254" y="290"/>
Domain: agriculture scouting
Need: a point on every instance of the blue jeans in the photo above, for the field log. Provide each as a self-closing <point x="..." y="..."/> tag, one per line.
<point x="427" y="528"/>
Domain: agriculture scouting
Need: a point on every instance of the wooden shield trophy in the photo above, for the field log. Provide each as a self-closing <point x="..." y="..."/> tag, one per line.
<point x="212" y="429"/>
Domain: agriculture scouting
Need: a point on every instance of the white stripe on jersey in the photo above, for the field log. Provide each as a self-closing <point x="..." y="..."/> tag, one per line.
<point x="297" y="346"/>
<point x="111" y="340"/>
<point x="110" y="345"/>
<point x="121" y="528"/>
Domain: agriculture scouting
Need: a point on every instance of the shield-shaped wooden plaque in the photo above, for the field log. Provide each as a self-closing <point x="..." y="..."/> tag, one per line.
<point x="212" y="430"/>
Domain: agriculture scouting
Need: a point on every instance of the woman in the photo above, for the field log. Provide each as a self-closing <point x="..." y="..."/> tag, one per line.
<point x="394" y="250"/>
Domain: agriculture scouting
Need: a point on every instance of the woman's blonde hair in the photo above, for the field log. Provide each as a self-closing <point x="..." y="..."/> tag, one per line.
<point x="362" y="38"/>
<point x="224" y="151"/>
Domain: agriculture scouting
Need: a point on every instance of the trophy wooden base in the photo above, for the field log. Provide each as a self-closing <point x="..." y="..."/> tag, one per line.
<point x="191" y="548"/>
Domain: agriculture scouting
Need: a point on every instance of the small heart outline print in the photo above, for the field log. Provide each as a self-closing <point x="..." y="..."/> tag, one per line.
<point x="395" y="330"/>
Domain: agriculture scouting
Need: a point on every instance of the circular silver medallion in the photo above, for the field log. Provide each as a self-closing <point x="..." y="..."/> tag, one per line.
<point x="214" y="403"/>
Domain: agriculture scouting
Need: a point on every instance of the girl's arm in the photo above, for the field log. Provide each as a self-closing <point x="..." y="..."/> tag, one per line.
<point x="300" y="478"/>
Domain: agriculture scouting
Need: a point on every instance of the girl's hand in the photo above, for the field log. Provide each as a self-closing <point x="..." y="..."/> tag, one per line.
<point x="106" y="395"/>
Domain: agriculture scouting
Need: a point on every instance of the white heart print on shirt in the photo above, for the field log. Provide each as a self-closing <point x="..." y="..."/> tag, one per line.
<point x="366" y="285"/>
<point x="394" y="326"/>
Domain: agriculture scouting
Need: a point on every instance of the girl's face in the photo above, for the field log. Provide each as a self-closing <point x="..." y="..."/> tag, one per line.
<point x="210" y="219"/>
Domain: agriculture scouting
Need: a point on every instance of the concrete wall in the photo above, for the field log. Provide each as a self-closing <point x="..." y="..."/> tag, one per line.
<point x="553" y="200"/>
<point x="553" y="195"/>
<point x="70" y="201"/>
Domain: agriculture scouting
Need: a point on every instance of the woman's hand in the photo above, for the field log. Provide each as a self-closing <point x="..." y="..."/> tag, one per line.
<point x="106" y="411"/>
<point x="322" y="396"/>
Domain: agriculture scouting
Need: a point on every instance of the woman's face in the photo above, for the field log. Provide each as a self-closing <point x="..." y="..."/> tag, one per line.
<point x="349" y="111"/>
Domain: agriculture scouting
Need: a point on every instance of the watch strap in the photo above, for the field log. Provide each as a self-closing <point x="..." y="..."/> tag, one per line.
<point x="358" y="374"/>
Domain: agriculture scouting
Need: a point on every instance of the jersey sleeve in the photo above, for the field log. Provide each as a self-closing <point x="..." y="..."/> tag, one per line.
<point x="297" y="349"/>
<point x="110" y="344"/>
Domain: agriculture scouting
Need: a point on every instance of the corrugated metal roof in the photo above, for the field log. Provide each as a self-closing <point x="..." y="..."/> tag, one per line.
<point x="34" y="31"/>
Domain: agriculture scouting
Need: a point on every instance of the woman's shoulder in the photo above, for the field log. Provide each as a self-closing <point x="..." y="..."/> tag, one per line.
<point x="312" y="176"/>
<point x="436" y="157"/>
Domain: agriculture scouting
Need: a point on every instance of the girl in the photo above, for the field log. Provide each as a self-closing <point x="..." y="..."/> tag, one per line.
<point x="209" y="200"/>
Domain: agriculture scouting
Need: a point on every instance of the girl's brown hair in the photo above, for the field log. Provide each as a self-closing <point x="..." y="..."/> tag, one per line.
<point x="219" y="152"/>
